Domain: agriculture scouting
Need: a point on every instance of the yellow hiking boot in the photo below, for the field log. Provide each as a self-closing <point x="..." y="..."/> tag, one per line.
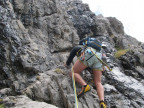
<point x="85" y="89"/>
<point x="102" y="104"/>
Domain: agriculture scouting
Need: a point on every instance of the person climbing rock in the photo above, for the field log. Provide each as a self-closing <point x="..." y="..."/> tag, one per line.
<point x="87" y="58"/>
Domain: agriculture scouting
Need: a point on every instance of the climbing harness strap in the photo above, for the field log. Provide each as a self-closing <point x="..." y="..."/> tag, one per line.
<point x="81" y="50"/>
<point x="77" y="53"/>
<point x="74" y="86"/>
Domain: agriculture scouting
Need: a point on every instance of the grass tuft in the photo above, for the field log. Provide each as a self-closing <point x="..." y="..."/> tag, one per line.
<point x="121" y="52"/>
<point x="58" y="70"/>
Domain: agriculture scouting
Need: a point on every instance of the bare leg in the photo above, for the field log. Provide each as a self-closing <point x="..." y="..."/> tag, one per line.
<point x="78" y="67"/>
<point x="97" y="81"/>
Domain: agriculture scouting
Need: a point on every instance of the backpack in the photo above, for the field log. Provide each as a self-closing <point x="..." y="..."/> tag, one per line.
<point x="91" y="42"/>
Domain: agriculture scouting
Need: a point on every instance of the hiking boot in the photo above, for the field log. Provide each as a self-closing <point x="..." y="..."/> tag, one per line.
<point x="85" y="89"/>
<point x="102" y="104"/>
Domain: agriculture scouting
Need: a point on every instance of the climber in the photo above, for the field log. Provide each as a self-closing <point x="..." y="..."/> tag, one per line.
<point x="86" y="59"/>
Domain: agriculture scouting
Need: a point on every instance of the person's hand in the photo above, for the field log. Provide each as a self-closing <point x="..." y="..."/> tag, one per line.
<point x="82" y="56"/>
<point x="65" y="64"/>
<point x="104" y="55"/>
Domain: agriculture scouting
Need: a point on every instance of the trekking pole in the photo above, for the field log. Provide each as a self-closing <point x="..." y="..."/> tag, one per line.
<point x="74" y="86"/>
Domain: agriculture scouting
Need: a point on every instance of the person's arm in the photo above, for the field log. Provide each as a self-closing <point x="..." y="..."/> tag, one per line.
<point x="72" y="54"/>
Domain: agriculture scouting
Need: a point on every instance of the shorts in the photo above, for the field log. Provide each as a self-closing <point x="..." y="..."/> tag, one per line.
<point x="91" y="60"/>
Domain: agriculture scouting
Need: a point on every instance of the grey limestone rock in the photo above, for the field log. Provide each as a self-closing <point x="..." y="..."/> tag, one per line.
<point x="36" y="37"/>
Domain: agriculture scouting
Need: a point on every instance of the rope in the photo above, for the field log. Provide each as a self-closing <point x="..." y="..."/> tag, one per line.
<point x="74" y="86"/>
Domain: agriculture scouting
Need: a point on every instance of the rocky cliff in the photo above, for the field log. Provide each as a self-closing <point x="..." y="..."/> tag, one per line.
<point x="36" y="37"/>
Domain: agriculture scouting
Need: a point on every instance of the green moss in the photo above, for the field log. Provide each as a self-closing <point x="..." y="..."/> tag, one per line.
<point x="58" y="70"/>
<point x="2" y="106"/>
<point x="38" y="77"/>
<point x="1" y="100"/>
<point x="121" y="52"/>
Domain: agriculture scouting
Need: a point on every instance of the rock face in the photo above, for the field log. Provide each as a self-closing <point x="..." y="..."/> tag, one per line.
<point x="36" y="37"/>
<point x="24" y="102"/>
